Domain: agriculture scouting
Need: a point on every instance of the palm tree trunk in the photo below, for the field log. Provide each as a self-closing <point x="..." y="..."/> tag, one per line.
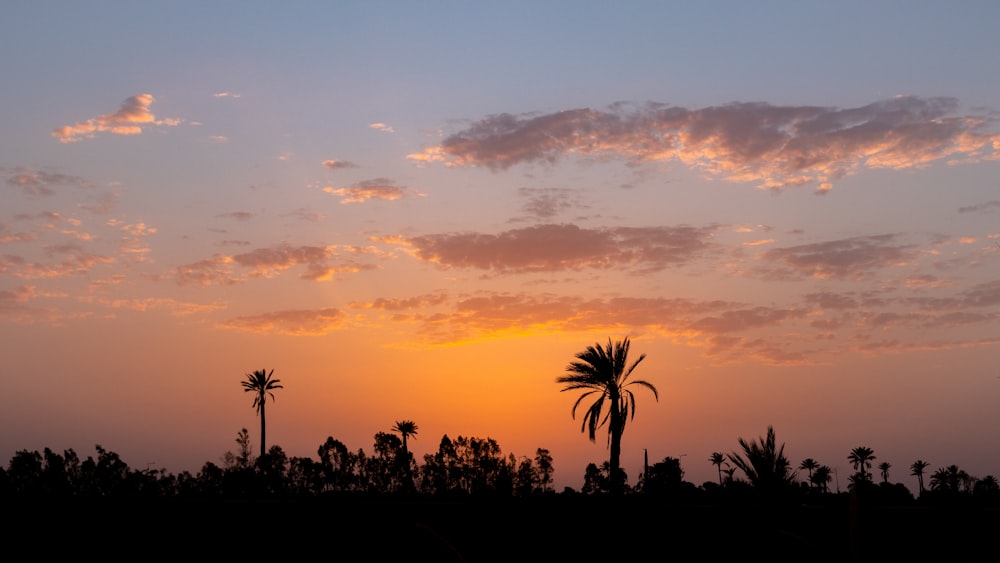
<point x="263" y="442"/>
<point x="617" y="427"/>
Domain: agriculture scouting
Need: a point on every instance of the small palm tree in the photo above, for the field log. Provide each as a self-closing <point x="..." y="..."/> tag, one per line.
<point x="821" y="477"/>
<point x="917" y="470"/>
<point x="809" y="464"/>
<point x="764" y="463"/>
<point x="717" y="459"/>
<point x="604" y="372"/>
<point x="261" y="385"/>
<point x="884" y="468"/>
<point x="861" y="457"/>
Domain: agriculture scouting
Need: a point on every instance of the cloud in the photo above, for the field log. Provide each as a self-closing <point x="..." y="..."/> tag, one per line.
<point x="302" y="322"/>
<point x="70" y="260"/>
<point x="546" y="203"/>
<point x="226" y="95"/>
<point x="854" y="258"/>
<point x="378" y="189"/>
<point x="321" y="263"/>
<point x="382" y="127"/>
<point x="548" y="248"/>
<point x="338" y="164"/>
<point x="988" y="206"/>
<point x="130" y="118"/>
<point x="236" y="215"/>
<point x="36" y="183"/>
<point x="771" y="146"/>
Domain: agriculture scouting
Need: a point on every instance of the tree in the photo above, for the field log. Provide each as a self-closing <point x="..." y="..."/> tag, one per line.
<point x="543" y="468"/>
<point x="604" y="372"/>
<point x="717" y="459"/>
<point x="406" y="428"/>
<point x="861" y="458"/>
<point x="884" y="468"/>
<point x="809" y="464"/>
<point x="917" y="470"/>
<point x="261" y="385"/>
<point x="821" y="477"/>
<point x="764" y="463"/>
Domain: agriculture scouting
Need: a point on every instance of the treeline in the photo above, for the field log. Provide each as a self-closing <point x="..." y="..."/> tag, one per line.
<point x="473" y="467"/>
<point x="461" y="466"/>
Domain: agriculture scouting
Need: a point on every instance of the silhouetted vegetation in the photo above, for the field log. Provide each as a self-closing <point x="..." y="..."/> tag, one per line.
<point x="471" y="501"/>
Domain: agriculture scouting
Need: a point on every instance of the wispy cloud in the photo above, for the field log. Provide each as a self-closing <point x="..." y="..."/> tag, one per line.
<point x="382" y="127"/>
<point x="321" y="264"/>
<point x="552" y="247"/>
<point x="130" y="118"/>
<point x="378" y="189"/>
<point x="855" y="258"/>
<point x="987" y="206"/>
<point x="338" y="164"/>
<point x="770" y="146"/>
<point x="300" y="322"/>
<point x="37" y="183"/>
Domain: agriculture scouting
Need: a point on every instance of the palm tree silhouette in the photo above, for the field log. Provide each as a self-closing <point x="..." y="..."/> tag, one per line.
<point x="861" y="457"/>
<point x="604" y="372"/>
<point x="821" y="477"/>
<point x="717" y="459"/>
<point x="809" y="464"/>
<point x="261" y="385"/>
<point x="405" y="428"/>
<point x="764" y="462"/>
<point x="917" y="470"/>
<point x="884" y="468"/>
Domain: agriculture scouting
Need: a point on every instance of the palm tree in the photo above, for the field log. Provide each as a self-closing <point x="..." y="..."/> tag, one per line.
<point x="917" y="469"/>
<point x="861" y="457"/>
<point x="261" y="385"/>
<point x="405" y="428"/>
<point x="717" y="459"/>
<point x="764" y="463"/>
<point x="809" y="464"/>
<point x="884" y="468"/>
<point x="604" y="372"/>
<point x="821" y="477"/>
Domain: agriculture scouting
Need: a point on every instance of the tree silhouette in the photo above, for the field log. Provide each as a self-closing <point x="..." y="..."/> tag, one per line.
<point x="884" y="468"/>
<point x="809" y="464"/>
<point x="261" y="385"/>
<point x="861" y="458"/>
<point x="406" y="428"/>
<point x="917" y="470"/>
<point x="821" y="477"/>
<point x="764" y="463"/>
<point x="604" y="372"/>
<point x="717" y="459"/>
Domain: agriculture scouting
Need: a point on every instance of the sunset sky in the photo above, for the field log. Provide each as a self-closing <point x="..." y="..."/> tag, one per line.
<point x="424" y="210"/>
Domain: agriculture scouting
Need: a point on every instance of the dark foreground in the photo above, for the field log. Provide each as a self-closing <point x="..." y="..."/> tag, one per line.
<point x="554" y="528"/>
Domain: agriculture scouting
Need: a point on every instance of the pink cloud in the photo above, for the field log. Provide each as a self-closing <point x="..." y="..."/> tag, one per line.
<point x="378" y="189"/>
<point x="130" y="118"/>
<point x="770" y="146"/>
<point x="304" y="322"/>
<point x="546" y="248"/>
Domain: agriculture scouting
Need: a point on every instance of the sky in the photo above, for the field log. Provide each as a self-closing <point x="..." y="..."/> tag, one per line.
<point x="424" y="211"/>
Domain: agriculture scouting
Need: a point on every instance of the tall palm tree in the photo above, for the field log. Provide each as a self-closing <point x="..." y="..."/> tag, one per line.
<point x="717" y="459"/>
<point x="604" y="372"/>
<point x="861" y="457"/>
<point x="917" y="470"/>
<point x="809" y="464"/>
<point x="261" y="385"/>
